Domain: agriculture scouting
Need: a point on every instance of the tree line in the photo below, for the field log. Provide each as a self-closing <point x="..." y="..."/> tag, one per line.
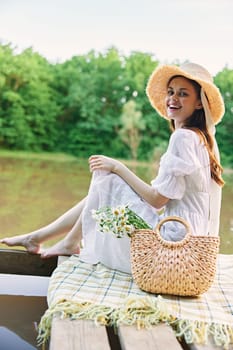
<point x="92" y="103"/>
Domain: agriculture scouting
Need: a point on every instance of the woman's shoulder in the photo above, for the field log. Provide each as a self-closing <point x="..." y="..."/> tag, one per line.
<point x="184" y="136"/>
<point x="185" y="133"/>
<point x="184" y="141"/>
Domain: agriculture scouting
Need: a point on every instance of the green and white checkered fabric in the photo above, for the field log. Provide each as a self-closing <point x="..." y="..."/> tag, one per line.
<point x="80" y="290"/>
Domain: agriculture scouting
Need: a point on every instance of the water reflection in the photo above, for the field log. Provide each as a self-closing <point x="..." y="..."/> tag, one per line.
<point x="19" y="318"/>
<point x="11" y="341"/>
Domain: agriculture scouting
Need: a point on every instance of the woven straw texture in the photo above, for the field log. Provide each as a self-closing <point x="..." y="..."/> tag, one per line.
<point x="185" y="267"/>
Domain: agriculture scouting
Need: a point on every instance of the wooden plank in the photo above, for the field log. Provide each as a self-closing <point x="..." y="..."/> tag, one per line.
<point x="78" y="335"/>
<point x="85" y="335"/>
<point x="20" y="262"/>
<point x="157" y="338"/>
<point x="205" y="347"/>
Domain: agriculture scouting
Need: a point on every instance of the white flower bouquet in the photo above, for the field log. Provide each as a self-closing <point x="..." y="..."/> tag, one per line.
<point x="120" y="221"/>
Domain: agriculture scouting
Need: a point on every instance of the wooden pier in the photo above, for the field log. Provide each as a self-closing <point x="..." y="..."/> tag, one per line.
<point x="81" y="334"/>
<point x="85" y="335"/>
<point x="69" y="334"/>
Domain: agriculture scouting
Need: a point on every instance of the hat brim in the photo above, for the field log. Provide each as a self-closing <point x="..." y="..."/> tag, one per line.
<point x="156" y="91"/>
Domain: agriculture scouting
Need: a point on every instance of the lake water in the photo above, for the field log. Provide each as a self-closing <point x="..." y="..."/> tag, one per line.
<point x="20" y="316"/>
<point x="34" y="192"/>
<point x="22" y="304"/>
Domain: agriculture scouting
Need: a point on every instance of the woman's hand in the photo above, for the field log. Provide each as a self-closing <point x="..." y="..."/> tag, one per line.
<point x="145" y="191"/>
<point x="100" y="162"/>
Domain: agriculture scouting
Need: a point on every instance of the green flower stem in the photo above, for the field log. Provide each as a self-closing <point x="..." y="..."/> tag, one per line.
<point x="137" y="221"/>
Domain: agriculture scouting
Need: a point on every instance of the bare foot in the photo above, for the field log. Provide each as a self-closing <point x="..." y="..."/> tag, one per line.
<point x="60" y="248"/>
<point x="27" y="241"/>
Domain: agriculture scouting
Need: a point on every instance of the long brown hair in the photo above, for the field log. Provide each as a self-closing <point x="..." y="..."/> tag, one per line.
<point x="197" y="123"/>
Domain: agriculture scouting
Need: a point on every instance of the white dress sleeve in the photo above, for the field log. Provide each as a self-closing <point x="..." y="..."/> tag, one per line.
<point x="180" y="160"/>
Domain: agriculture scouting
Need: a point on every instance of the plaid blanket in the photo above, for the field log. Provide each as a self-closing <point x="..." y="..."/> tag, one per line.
<point x="81" y="291"/>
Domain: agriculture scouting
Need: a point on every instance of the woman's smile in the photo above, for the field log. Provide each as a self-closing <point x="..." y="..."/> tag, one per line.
<point x="181" y="100"/>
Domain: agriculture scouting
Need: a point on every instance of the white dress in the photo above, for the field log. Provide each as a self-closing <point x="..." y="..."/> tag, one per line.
<point x="184" y="177"/>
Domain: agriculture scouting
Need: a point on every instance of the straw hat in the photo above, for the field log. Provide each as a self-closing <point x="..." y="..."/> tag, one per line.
<point x="157" y="89"/>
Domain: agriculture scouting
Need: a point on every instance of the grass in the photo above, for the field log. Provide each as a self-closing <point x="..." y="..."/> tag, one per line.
<point x="60" y="157"/>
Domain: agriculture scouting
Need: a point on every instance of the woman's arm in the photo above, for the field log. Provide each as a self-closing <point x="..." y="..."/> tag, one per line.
<point x="145" y="191"/>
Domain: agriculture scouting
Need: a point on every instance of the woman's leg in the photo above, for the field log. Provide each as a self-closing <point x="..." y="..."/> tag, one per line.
<point x="32" y="241"/>
<point x="69" y="245"/>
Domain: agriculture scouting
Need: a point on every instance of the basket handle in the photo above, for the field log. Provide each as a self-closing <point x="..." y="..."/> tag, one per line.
<point x="173" y="218"/>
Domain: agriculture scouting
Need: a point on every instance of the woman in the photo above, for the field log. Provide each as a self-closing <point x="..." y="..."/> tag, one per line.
<point x="188" y="183"/>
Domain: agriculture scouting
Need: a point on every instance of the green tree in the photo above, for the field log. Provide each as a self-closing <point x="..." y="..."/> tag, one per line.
<point x="28" y="109"/>
<point x="138" y="67"/>
<point x="132" y="125"/>
<point x="76" y="106"/>
<point x="224" y="80"/>
<point x="91" y="102"/>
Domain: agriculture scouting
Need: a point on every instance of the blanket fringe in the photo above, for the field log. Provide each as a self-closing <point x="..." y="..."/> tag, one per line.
<point x="142" y="312"/>
<point x="200" y="332"/>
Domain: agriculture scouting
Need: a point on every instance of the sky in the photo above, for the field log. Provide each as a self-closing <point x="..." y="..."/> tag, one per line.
<point x="200" y="31"/>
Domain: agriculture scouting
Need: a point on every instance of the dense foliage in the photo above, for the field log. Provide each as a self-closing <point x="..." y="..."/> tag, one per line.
<point x="78" y="106"/>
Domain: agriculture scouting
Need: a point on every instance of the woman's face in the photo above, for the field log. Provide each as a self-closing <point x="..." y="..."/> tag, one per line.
<point x="181" y="100"/>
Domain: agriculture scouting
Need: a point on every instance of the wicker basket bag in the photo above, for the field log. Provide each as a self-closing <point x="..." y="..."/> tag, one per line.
<point x="186" y="267"/>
